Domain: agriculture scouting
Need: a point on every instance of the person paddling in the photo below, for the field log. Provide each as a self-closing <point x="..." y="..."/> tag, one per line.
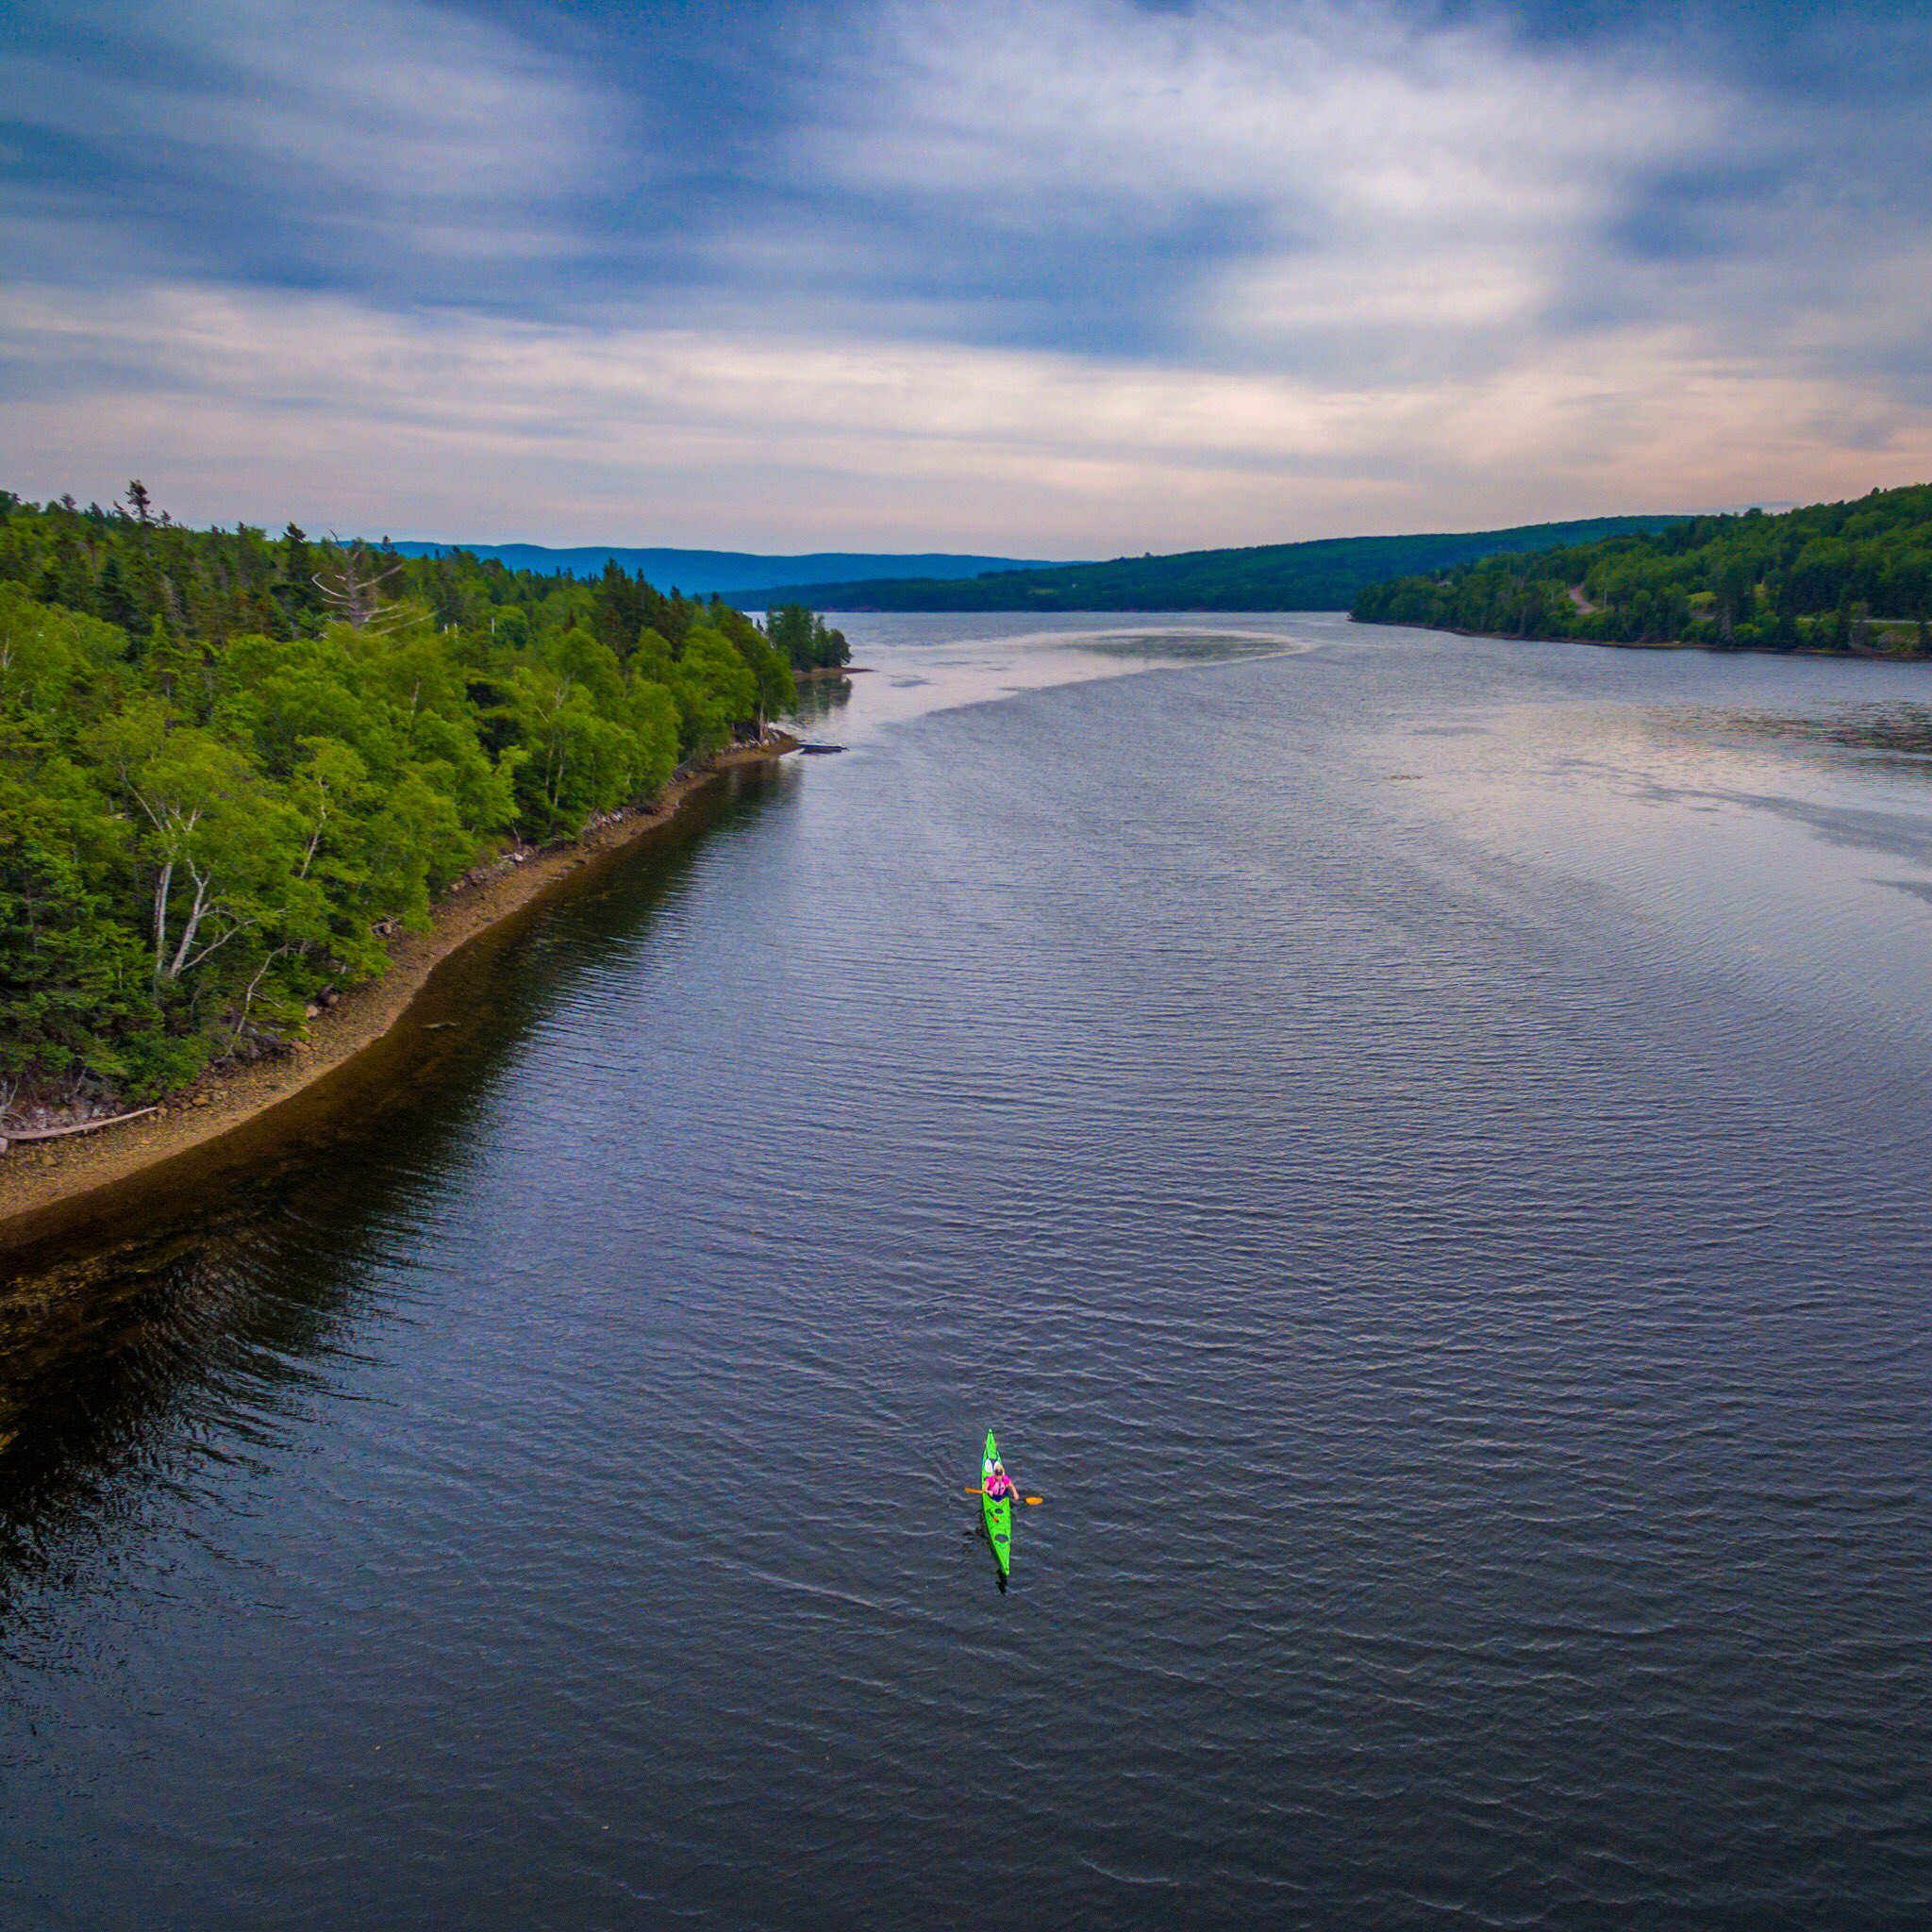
<point x="999" y="1484"/>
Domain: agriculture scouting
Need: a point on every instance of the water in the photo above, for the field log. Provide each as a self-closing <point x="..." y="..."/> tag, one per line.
<point x="1421" y="1148"/>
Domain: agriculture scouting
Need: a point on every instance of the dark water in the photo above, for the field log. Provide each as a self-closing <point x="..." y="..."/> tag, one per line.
<point x="1421" y="1149"/>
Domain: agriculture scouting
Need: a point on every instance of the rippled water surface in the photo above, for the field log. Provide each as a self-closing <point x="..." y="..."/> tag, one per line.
<point x="1421" y="1148"/>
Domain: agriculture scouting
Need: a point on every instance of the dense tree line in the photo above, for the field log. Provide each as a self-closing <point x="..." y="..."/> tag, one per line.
<point x="1838" y="577"/>
<point x="807" y="640"/>
<point x="1322" y="575"/>
<point x="230" y="764"/>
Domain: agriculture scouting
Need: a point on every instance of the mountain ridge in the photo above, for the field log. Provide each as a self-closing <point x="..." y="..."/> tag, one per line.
<point x="698" y="572"/>
<point x="1322" y="574"/>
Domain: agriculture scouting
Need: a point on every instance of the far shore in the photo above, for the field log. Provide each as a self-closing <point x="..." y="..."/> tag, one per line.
<point x="50" y="1189"/>
<point x="1665" y="645"/>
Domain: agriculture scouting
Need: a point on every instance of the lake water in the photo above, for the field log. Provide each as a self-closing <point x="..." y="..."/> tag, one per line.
<point x="1422" y="1149"/>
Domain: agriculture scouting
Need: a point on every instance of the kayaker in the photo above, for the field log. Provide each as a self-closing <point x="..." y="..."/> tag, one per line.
<point x="999" y="1484"/>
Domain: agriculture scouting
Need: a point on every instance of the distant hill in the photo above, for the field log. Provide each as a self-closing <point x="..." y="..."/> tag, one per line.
<point x="1852" y="576"/>
<point x="1322" y="575"/>
<point x="698" y="572"/>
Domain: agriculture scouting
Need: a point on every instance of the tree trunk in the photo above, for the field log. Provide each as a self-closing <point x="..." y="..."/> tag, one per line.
<point x="161" y="885"/>
<point x="193" y="925"/>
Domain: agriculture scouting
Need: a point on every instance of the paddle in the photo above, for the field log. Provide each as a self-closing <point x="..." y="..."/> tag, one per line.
<point x="1018" y="1499"/>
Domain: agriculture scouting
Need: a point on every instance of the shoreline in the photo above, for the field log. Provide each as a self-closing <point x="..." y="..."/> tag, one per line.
<point x="1450" y="630"/>
<point x="49" y="1187"/>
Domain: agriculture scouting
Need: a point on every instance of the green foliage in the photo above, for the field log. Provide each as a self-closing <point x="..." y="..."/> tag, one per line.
<point x="230" y="765"/>
<point x="1321" y="575"/>
<point x="1839" y="577"/>
<point x="807" y="641"/>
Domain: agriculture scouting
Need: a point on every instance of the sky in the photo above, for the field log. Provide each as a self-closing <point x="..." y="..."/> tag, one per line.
<point x="1071" y="279"/>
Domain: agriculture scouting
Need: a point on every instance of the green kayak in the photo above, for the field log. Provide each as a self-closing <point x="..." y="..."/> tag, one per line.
<point x="999" y="1513"/>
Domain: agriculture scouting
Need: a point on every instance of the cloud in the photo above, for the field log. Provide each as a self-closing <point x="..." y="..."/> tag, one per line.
<point x="1351" y="178"/>
<point x="372" y="143"/>
<point x="1374" y="193"/>
<point x="1089" y="277"/>
<point x="462" y="425"/>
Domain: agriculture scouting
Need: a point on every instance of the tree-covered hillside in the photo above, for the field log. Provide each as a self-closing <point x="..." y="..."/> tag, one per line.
<point x="1321" y="575"/>
<point x="1838" y="577"/>
<point x="230" y="763"/>
<point x="701" y="572"/>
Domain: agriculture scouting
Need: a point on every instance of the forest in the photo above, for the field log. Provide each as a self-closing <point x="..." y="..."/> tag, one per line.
<point x="232" y="764"/>
<point x="1853" y="577"/>
<point x="1323" y="573"/>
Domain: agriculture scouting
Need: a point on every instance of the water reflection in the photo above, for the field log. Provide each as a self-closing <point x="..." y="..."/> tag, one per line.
<point x="1842" y="747"/>
<point x="206" y="1315"/>
<point x="1158" y="646"/>
<point x="820" y="699"/>
<point x="1452" y="1250"/>
<point x="1898" y="735"/>
<point x="140" y="1374"/>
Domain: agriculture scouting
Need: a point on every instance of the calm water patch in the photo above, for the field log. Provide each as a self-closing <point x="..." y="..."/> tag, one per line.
<point x="1419" y="1147"/>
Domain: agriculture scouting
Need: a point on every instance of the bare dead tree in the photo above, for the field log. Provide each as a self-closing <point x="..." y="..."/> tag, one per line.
<point x="252" y="989"/>
<point x="354" y="591"/>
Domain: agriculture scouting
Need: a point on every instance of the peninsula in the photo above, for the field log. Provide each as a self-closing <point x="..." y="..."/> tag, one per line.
<point x="247" y="782"/>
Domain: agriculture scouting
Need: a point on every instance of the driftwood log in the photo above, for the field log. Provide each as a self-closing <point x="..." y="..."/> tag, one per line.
<point x="112" y="1119"/>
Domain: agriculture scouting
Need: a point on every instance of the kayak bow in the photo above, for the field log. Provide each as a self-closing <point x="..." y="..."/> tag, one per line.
<point x="999" y="1510"/>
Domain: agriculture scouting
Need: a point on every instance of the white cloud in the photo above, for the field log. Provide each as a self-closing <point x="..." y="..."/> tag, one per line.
<point x="1368" y="273"/>
<point x="464" y="426"/>
<point x="1389" y="189"/>
<point x="1371" y="196"/>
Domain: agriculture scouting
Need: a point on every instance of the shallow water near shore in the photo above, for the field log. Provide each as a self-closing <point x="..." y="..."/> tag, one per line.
<point x="1419" y="1145"/>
